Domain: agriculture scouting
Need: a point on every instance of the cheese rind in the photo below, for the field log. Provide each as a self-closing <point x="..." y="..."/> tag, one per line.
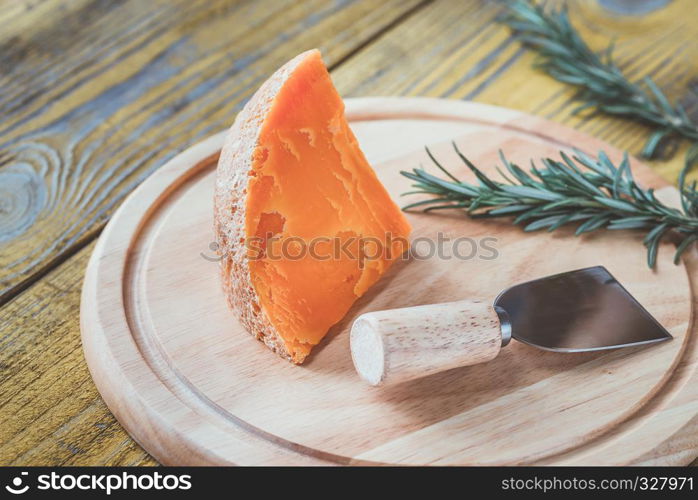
<point x="296" y="206"/>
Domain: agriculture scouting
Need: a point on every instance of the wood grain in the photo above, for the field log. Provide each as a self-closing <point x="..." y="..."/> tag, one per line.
<point x="51" y="412"/>
<point x="95" y="95"/>
<point x="449" y="48"/>
<point x="397" y="345"/>
<point x="183" y="376"/>
<point x="83" y="126"/>
<point x="457" y="50"/>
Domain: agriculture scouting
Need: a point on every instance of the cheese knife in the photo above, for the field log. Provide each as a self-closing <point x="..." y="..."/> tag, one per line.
<point x="582" y="310"/>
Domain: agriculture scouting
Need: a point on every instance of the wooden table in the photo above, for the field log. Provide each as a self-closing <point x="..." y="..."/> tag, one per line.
<point x="94" y="96"/>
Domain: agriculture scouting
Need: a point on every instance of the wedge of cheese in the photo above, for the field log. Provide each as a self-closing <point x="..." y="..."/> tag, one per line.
<point x="304" y="225"/>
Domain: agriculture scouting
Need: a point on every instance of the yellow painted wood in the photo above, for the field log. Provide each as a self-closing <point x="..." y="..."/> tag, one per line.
<point x="456" y="50"/>
<point x="95" y="98"/>
<point x="50" y="411"/>
<point x="56" y="76"/>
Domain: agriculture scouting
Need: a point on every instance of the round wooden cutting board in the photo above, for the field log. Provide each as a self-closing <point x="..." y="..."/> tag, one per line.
<point x="191" y="386"/>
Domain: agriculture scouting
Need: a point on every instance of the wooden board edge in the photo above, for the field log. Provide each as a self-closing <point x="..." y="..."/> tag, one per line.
<point x="111" y="380"/>
<point x="158" y="433"/>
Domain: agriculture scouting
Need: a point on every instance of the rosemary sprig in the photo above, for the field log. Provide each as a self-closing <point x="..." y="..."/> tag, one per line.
<point x="601" y="85"/>
<point x="592" y="192"/>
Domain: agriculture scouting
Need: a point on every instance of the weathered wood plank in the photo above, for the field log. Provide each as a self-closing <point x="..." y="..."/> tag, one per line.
<point x="51" y="413"/>
<point x="456" y="50"/>
<point x="96" y="95"/>
<point x="450" y="48"/>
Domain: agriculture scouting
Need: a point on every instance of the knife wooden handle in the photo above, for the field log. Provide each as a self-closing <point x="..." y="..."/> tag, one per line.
<point x="402" y="344"/>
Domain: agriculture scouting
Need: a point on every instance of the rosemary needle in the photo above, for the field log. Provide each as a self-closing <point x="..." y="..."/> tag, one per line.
<point x="601" y="85"/>
<point x="593" y="193"/>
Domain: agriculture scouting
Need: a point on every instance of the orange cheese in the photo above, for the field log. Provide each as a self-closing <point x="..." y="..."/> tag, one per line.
<point x="304" y="224"/>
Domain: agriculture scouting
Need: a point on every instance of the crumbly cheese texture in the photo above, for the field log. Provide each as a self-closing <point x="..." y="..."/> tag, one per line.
<point x="304" y="225"/>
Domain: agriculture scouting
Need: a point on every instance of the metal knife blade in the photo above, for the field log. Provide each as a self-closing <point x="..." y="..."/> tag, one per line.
<point x="582" y="310"/>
